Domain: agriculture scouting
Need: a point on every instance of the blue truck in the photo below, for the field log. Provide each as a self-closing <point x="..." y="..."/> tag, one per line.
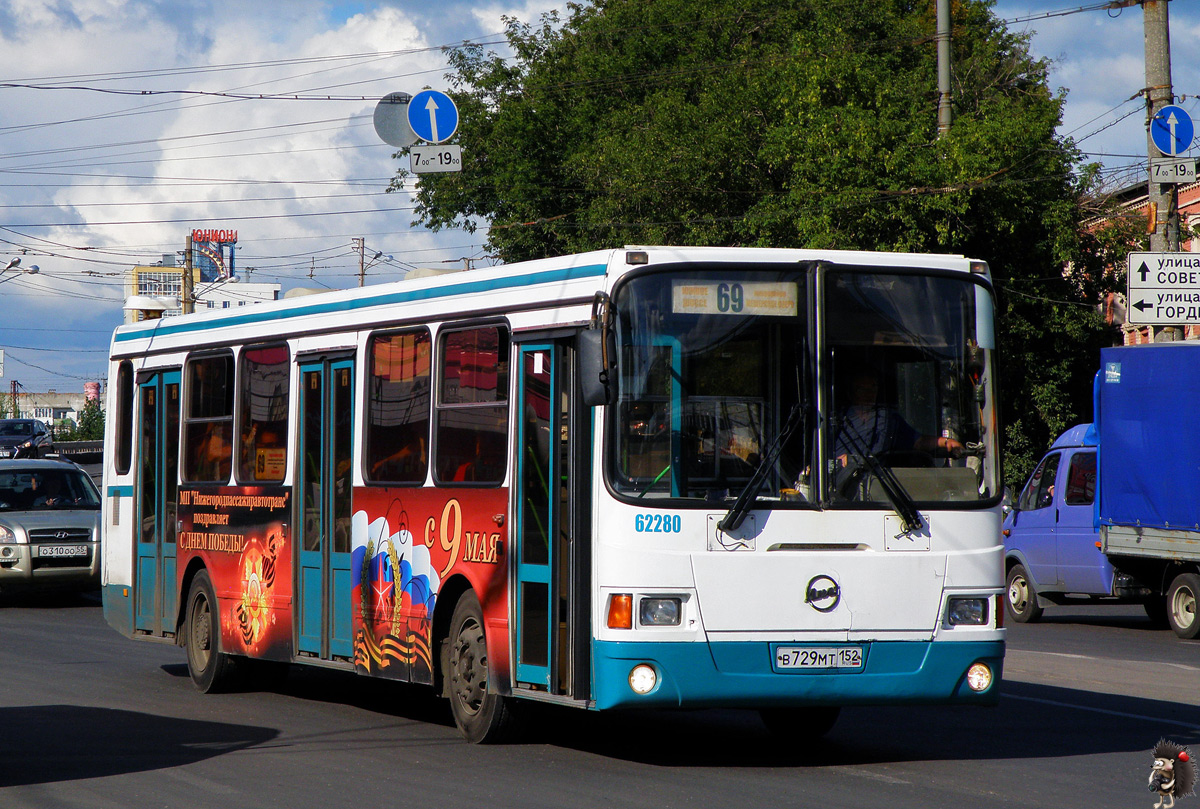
<point x="1112" y="512"/>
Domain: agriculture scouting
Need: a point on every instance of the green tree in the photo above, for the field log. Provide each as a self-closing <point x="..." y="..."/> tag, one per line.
<point x="91" y="422"/>
<point x="809" y="123"/>
<point x="90" y="426"/>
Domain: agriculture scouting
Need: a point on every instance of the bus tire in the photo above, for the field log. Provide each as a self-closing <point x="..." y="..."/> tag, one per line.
<point x="800" y="725"/>
<point x="1182" y="601"/>
<point x="211" y="669"/>
<point x="483" y="716"/>
<point x="1020" y="597"/>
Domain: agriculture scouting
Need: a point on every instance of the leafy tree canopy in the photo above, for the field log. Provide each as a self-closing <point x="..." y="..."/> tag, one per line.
<point x="789" y="123"/>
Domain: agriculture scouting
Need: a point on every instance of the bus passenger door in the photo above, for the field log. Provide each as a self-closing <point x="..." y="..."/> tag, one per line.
<point x="552" y="629"/>
<point x="324" y="488"/>
<point x="158" y="499"/>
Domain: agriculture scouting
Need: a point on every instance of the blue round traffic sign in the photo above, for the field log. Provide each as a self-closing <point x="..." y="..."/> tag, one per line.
<point x="432" y="116"/>
<point x="1171" y="130"/>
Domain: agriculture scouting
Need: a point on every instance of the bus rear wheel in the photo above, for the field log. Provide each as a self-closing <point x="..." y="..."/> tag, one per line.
<point x="483" y="716"/>
<point x="211" y="669"/>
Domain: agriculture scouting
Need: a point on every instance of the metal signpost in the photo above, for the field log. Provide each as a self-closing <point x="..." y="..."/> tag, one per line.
<point x="433" y="116"/>
<point x="1171" y="129"/>
<point x="403" y="120"/>
<point x="1163" y="289"/>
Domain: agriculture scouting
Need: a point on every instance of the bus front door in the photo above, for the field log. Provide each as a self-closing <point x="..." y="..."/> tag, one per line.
<point x="552" y="504"/>
<point x="158" y="499"/>
<point x="324" y="480"/>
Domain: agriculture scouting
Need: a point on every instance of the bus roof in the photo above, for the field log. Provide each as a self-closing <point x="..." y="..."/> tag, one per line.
<point x="566" y="284"/>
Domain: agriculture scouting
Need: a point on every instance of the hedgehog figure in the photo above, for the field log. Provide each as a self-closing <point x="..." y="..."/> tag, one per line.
<point x="1173" y="773"/>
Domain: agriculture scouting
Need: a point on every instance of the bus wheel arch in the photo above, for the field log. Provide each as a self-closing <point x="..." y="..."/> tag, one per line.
<point x="211" y="669"/>
<point x="483" y="715"/>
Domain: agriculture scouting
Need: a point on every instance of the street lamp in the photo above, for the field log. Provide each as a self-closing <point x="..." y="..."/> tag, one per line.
<point x="229" y="279"/>
<point x="150" y="307"/>
<point x="13" y="263"/>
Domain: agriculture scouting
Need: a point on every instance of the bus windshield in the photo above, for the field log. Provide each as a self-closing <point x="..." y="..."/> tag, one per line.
<point x="729" y="381"/>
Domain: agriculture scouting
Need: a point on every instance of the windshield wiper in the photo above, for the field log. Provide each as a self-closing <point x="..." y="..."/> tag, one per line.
<point x="897" y="495"/>
<point x="741" y="507"/>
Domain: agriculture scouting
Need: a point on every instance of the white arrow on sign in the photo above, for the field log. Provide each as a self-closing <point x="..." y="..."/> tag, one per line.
<point x="432" y="106"/>
<point x="1170" y="123"/>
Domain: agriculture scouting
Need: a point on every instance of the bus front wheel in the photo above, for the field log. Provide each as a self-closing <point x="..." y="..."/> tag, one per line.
<point x="210" y="668"/>
<point x="800" y="725"/>
<point x="483" y="716"/>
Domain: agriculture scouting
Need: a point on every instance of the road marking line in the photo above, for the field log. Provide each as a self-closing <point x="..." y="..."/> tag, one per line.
<point x="875" y="776"/>
<point x="1183" y="666"/>
<point x="1142" y="717"/>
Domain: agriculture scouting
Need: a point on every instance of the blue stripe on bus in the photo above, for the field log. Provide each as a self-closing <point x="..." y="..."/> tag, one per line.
<point x="171" y="326"/>
<point x="740" y="674"/>
<point x="120" y="491"/>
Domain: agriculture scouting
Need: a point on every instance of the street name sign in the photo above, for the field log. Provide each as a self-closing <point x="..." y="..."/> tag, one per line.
<point x="433" y="116"/>
<point x="1163" y="289"/>
<point x="1171" y="130"/>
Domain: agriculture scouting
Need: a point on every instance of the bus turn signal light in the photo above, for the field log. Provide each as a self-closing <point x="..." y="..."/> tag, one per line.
<point x="620" y="611"/>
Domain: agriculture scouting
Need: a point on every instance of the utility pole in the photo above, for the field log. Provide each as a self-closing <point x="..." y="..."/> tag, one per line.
<point x="1163" y="197"/>
<point x="361" y="245"/>
<point x="943" y="59"/>
<point x="187" y="289"/>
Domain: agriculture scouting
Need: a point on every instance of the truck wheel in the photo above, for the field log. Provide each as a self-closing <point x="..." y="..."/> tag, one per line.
<point x="1021" y="598"/>
<point x="211" y="669"/>
<point x="1181" y="605"/>
<point x="483" y="716"/>
<point x="1156" y="611"/>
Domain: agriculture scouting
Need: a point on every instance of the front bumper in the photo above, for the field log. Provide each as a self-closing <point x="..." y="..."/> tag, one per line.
<point x="740" y="674"/>
<point x="22" y="567"/>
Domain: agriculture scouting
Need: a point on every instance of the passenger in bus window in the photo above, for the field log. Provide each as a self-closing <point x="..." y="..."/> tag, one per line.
<point x="403" y="464"/>
<point x="214" y="455"/>
<point x="869" y="428"/>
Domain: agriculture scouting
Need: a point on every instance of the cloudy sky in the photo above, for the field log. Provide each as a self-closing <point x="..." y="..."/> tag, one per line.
<point x="126" y="123"/>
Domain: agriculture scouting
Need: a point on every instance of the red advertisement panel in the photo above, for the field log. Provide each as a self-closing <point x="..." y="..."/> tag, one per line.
<point x="407" y="544"/>
<point x="241" y="534"/>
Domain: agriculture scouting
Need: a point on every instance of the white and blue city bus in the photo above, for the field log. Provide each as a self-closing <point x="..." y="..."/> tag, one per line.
<point x="647" y="477"/>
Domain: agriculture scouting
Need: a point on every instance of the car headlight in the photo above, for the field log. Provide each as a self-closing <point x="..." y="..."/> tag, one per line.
<point x="967" y="612"/>
<point x="659" y="611"/>
<point x="7" y="535"/>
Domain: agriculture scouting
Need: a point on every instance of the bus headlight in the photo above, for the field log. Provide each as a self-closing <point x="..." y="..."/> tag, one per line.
<point x="979" y="677"/>
<point x="967" y="612"/>
<point x="643" y="678"/>
<point x="659" y="611"/>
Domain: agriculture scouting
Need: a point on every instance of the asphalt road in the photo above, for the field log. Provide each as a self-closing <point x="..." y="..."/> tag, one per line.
<point x="88" y="718"/>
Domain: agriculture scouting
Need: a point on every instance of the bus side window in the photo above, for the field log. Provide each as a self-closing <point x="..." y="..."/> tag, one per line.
<point x="398" y="400"/>
<point x="472" y="412"/>
<point x="124" y="417"/>
<point x="263" y="382"/>
<point x="208" y="455"/>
